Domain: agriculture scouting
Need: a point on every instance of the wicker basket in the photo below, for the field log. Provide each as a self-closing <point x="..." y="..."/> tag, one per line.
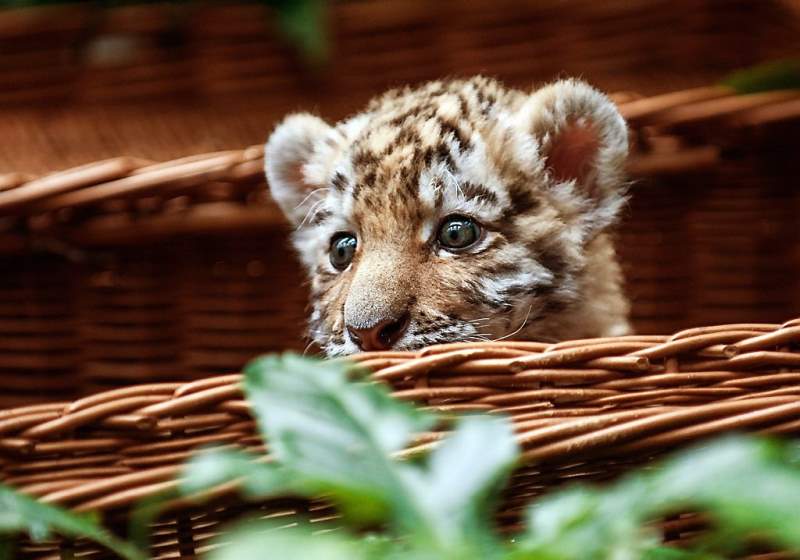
<point x="583" y="410"/>
<point x="166" y="79"/>
<point x="126" y="271"/>
<point x="78" y="53"/>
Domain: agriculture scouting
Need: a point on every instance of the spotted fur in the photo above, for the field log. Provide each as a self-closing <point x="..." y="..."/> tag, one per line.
<point x="540" y="171"/>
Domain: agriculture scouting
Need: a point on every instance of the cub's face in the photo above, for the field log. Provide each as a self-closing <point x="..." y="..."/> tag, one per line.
<point x="457" y="211"/>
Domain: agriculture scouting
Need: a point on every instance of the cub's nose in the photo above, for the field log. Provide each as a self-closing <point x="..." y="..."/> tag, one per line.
<point x="382" y="335"/>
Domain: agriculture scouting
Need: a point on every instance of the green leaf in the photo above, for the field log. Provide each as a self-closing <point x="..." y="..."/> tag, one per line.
<point x="20" y="513"/>
<point x="333" y="435"/>
<point x="145" y="513"/>
<point x="780" y="74"/>
<point x="792" y="451"/>
<point x="205" y="471"/>
<point x="215" y="466"/>
<point x="266" y="540"/>
<point x="583" y="523"/>
<point x="304" y="23"/>
<point x="747" y="485"/>
<point x="337" y="437"/>
<point x="464" y="476"/>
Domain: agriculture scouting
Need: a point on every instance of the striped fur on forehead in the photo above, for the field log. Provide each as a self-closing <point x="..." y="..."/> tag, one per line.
<point x="431" y="155"/>
<point x="391" y="174"/>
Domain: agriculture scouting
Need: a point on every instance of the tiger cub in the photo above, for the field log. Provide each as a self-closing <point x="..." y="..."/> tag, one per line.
<point x="459" y="210"/>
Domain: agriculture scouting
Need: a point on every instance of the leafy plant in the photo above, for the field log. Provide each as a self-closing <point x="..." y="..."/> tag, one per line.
<point x="304" y="23"/>
<point x="333" y="434"/>
<point x="774" y="75"/>
<point x="334" y="437"/>
<point x="22" y="514"/>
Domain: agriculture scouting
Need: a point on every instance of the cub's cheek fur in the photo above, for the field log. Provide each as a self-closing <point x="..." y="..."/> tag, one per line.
<point x="550" y="163"/>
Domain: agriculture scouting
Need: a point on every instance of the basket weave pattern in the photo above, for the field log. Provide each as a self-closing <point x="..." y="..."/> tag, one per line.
<point x="584" y="409"/>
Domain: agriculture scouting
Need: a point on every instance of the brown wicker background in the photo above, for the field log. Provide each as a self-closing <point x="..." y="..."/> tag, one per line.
<point x="583" y="410"/>
<point x="128" y="271"/>
<point x="164" y="80"/>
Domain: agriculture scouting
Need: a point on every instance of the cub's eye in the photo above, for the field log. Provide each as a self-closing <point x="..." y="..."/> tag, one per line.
<point x="343" y="247"/>
<point x="458" y="232"/>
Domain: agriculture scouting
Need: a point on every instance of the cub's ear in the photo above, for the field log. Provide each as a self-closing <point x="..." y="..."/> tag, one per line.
<point x="583" y="143"/>
<point x="286" y="155"/>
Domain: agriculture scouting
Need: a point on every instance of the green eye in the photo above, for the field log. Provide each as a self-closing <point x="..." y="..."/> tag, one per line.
<point x="343" y="247"/>
<point x="458" y="232"/>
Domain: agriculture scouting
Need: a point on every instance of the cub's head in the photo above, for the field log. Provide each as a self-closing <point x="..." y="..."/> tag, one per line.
<point x="456" y="211"/>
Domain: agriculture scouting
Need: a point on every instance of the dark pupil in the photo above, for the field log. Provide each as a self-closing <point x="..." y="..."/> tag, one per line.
<point x="343" y="249"/>
<point x="458" y="233"/>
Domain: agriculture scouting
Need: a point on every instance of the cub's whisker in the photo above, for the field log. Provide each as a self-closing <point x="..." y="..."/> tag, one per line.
<point x="522" y="326"/>
<point x="308" y="347"/>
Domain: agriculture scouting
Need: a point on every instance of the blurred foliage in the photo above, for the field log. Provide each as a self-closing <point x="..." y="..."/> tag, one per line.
<point x="335" y="435"/>
<point x="779" y="74"/>
<point x="302" y="22"/>
<point x="21" y="514"/>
